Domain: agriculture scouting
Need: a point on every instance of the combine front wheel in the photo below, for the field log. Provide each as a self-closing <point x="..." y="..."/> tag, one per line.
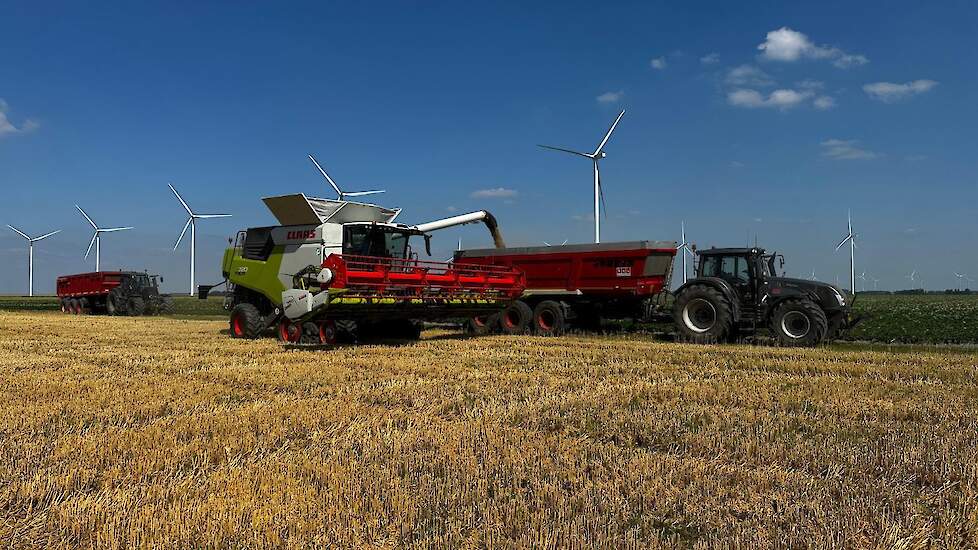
<point x="288" y="332"/>
<point x="327" y="332"/>
<point x="246" y="321"/>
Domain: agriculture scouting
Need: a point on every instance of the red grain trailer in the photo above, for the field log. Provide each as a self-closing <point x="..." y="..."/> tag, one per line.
<point x="112" y="292"/>
<point x="578" y="284"/>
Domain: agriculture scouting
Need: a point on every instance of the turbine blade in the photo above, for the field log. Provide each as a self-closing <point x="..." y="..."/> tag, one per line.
<point x="608" y="135"/>
<point x="114" y="229"/>
<point x="91" y="244"/>
<point x="339" y="194"/>
<point x="203" y="216"/>
<point x="362" y="193"/>
<point x="844" y="241"/>
<point x="585" y="155"/>
<point x="547" y="244"/>
<point x="180" y="238"/>
<point x="179" y="198"/>
<point x="46" y="235"/>
<point x="86" y="216"/>
<point x="19" y="232"/>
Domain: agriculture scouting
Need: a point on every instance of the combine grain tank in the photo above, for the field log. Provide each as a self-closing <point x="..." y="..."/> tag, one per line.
<point x="577" y="284"/>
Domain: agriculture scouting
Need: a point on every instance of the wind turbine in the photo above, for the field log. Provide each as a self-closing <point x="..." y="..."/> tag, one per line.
<point x="685" y="249"/>
<point x="813" y="275"/>
<point x="341" y="194"/>
<point x="960" y="277"/>
<point x="851" y="239"/>
<point x="862" y="277"/>
<point x="561" y="244"/>
<point x="597" y="155"/>
<point x="192" y="224"/>
<point x="876" y="283"/>
<point x="30" y="255"/>
<point x="913" y="278"/>
<point x="97" y="237"/>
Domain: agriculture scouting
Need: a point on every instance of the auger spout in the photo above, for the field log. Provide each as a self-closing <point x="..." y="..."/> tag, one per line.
<point x="463" y="219"/>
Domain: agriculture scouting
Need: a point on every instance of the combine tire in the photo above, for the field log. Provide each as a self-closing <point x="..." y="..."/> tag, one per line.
<point x="327" y="332"/>
<point x="549" y="318"/>
<point x="483" y="325"/>
<point x="245" y="321"/>
<point x="289" y="332"/>
<point x="516" y="318"/>
<point x="799" y="323"/>
<point x="135" y="306"/>
<point x="702" y="315"/>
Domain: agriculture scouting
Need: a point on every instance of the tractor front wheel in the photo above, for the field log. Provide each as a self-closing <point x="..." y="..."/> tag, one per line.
<point x="799" y="323"/>
<point x="246" y="321"/>
<point x="702" y="315"/>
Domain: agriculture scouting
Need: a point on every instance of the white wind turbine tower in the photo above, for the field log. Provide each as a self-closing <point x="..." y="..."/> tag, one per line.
<point x="876" y="283"/>
<point x="851" y="239"/>
<point x="862" y="277"/>
<point x="913" y="278"/>
<point x="30" y="255"/>
<point x="97" y="237"/>
<point x="813" y="275"/>
<point x="597" y="155"/>
<point x="341" y="194"/>
<point x="959" y="276"/>
<point x="192" y="224"/>
<point x="685" y="249"/>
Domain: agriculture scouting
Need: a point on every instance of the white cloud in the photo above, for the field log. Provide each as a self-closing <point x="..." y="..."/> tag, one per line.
<point x="748" y="75"/>
<point x="451" y="209"/>
<point x="736" y="164"/>
<point x="789" y="45"/>
<point x="611" y="97"/>
<point x="824" y="103"/>
<point x="890" y="92"/>
<point x="495" y="193"/>
<point x="809" y="84"/>
<point x="8" y="128"/>
<point x="658" y="63"/>
<point x="710" y="59"/>
<point x="778" y="99"/>
<point x="839" y="149"/>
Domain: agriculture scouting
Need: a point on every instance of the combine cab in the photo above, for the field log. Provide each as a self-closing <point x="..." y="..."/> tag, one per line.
<point x="339" y="270"/>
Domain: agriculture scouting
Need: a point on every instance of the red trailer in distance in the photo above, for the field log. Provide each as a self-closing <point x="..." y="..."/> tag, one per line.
<point x="578" y="284"/>
<point x="112" y="292"/>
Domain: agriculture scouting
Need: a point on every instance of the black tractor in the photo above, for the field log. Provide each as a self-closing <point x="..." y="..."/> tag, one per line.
<point x="137" y="294"/>
<point x="737" y="291"/>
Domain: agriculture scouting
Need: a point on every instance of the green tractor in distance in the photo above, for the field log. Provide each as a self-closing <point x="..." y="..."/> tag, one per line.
<point x="737" y="291"/>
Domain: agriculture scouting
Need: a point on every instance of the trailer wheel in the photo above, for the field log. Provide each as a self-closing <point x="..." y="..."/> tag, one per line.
<point x="702" y="315"/>
<point x="483" y="324"/>
<point x="135" y="306"/>
<point x="549" y="318"/>
<point x="245" y="321"/>
<point x="75" y="306"/>
<point x="799" y="323"/>
<point x="516" y="318"/>
<point x="65" y="306"/>
<point x="288" y="332"/>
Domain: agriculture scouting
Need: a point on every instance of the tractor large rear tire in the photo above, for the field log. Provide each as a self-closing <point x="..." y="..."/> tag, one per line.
<point x="517" y="318"/>
<point x="703" y="315"/>
<point x="136" y="306"/>
<point x="245" y="321"/>
<point x="799" y="323"/>
<point x="115" y="302"/>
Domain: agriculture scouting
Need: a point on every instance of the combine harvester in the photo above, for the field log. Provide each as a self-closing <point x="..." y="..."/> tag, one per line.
<point x="338" y="269"/>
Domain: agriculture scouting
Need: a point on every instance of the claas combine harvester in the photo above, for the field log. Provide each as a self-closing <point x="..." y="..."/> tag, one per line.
<point x="338" y="270"/>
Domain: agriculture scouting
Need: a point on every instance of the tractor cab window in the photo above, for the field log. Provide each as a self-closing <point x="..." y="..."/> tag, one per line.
<point x="731" y="268"/>
<point x="141" y="281"/>
<point x="372" y="240"/>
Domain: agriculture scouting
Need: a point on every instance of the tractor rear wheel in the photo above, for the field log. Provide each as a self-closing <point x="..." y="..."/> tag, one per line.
<point x="115" y="302"/>
<point x="799" y="323"/>
<point x="516" y="318"/>
<point x="549" y="318"/>
<point x="246" y="321"/>
<point x="702" y="315"/>
<point x="135" y="307"/>
<point x="483" y="324"/>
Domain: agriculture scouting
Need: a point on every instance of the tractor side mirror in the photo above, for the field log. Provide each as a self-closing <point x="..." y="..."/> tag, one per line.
<point x="161" y="279"/>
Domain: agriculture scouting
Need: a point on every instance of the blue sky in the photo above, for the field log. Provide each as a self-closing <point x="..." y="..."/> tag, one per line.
<point x="870" y="108"/>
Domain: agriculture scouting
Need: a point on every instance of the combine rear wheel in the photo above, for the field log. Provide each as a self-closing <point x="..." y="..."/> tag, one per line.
<point x="549" y="319"/>
<point x="246" y="321"/>
<point x="516" y="318"/>
<point x="327" y="332"/>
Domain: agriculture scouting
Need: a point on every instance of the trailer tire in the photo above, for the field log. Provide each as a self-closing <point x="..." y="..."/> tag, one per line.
<point x="799" y="323"/>
<point x="703" y="315"/>
<point x="65" y="305"/>
<point x="75" y="306"/>
<point x="482" y="325"/>
<point x="245" y="321"/>
<point x="516" y="318"/>
<point x="135" y="306"/>
<point x="549" y="318"/>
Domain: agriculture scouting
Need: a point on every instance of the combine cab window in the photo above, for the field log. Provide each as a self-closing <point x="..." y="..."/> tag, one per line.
<point x="371" y="240"/>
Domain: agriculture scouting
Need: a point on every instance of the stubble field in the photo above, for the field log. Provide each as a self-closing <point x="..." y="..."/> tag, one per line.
<point x="120" y="432"/>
